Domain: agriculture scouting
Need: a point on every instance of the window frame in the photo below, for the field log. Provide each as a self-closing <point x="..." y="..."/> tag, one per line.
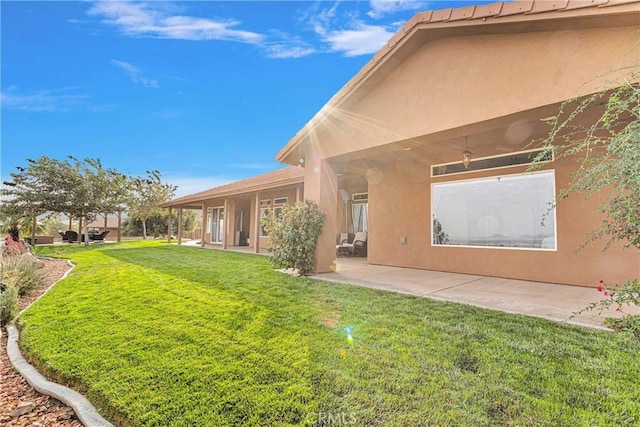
<point x="498" y="177"/>
<point x="499" y="156"/>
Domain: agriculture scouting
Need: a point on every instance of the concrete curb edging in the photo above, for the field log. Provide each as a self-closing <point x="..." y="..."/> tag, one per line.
<point x="80" y="404"/>
<point x="86" y="412"/>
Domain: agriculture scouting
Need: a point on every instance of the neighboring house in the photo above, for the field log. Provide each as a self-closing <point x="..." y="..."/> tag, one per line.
<point x="479" y="82"/>
<point x="231" y="213"/>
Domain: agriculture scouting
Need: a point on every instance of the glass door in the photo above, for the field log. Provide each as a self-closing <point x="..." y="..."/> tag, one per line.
<point x="217" y="225"/>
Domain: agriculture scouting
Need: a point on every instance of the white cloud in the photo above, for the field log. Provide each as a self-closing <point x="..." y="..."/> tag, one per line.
<point x="159" y="19"/>
<point x="42" y="100"/>
<point x="362" y="39"/>
<point x="136" y="74"/>
<point x="320" y="19"/>
<point x="345" y="32"/>
<point x="380" y="8"/>
<point x="288" y="50"/>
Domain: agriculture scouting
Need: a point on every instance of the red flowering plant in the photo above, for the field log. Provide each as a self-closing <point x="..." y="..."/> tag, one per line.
<point x="621" y="297"/>
<point x="13" y="247"/>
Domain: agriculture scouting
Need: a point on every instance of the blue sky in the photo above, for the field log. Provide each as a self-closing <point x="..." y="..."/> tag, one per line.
<point x="204" y="92"/>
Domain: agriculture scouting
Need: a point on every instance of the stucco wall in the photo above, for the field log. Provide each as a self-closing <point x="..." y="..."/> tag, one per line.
<point x="289" y="192"/>
<point x="400" y="206"/>
<point x="453" y="82"/>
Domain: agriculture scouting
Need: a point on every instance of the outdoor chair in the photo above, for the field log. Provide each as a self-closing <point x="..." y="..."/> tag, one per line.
<point x="100" y="236"/>
<point x="341" y="249"/>
<point x="72" y="236"/>
<point x="357" y="247"/>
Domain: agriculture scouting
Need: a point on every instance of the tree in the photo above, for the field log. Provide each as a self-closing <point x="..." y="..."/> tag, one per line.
<point x="146" y="196"/>
<point x="158" y="224"/>
<point x="293" y="234"/>
<point x="607" y="151"/>
<point x="52" y="224"/>
<point x="80" y="189"/>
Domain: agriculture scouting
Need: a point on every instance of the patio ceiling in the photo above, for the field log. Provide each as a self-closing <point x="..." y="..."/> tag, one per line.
<point x="516" y="132"/>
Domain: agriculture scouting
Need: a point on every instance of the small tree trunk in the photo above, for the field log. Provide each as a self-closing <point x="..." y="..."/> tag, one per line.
<point x="86" y="232"/>
<point x="80" y="229"/>
<point x="144" y="229"/>
<point x="119" y="225"/>
<point x="33" y="229"/>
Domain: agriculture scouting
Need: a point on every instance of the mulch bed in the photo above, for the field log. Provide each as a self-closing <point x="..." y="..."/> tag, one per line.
<point x="20" y="404"/>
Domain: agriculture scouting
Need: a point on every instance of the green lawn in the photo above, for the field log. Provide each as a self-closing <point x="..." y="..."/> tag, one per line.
<point x="166" y="335"/>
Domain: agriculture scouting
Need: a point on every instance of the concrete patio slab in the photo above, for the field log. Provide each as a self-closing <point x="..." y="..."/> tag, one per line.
<point x="546" y="300"/>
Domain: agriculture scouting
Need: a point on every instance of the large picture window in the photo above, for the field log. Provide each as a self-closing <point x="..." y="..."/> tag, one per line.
<point x="512" y="211"/>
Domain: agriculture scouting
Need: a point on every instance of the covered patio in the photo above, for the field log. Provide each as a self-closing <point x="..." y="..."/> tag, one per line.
<point x="231" y="213"/>
<point x="550" y="301"/>
<point x="443" y="125"/>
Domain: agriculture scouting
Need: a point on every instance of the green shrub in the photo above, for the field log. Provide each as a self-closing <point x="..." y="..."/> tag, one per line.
<point x="8" y="304"/>
<point x="22" y="271"/>
<point x="293" y="234"/>
<point x="619" y="296"/>
<point x="630" y="323"/>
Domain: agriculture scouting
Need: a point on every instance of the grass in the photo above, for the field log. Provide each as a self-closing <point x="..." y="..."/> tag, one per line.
<point x="166" y="335"/>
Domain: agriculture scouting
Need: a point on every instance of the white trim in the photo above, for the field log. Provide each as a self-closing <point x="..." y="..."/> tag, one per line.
<point x="281" y="201"/>
<point x="497" y="156"/>
<point x="364" y="200"/>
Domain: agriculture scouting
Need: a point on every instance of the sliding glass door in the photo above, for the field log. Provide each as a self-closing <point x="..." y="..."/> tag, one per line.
<point x="217" y="225"/>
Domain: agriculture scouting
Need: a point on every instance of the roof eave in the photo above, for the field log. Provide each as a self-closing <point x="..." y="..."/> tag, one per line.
<point x="468" y="17"/>
<point x="202" y="197"/>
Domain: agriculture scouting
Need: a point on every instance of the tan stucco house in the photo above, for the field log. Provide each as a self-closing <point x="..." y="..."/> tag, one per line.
<point x="480" y="81"/>
<point x="231" y="213"/>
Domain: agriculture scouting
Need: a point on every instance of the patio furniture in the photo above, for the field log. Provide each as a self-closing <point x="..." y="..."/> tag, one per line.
<point x="341" y="248"/>
<point x="99" y="237"/>
<point x="64" y="236"/>
<point x="40" y="240"/>
<point x="357" y="247"/>
<point x="72" y="236"/>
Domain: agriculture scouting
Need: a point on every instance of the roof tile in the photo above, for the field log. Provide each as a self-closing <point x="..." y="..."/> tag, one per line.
<point x="579" y="4"/>
<point x="487" y="10"/>
<point x="516" y="7"/>
<point x="462" y="13"/>
<point x="441" y="15"/>
<point x="616" y="2"/>
<point x="540" y="6"/>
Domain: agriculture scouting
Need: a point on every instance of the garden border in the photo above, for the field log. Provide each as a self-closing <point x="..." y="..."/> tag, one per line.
<point x="86" y="412"/>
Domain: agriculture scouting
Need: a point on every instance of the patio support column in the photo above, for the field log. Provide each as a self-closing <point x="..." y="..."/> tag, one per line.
<point x="180" y="225"/>
<point x="225" y="223"/>
<point x="169" y="227"/>
<point x="204" y="223"/>
<point x="119" y="225"/>
<point x="321" y="186"/>
<point x="298" y="193"/>
<point x="256" y="225"/>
